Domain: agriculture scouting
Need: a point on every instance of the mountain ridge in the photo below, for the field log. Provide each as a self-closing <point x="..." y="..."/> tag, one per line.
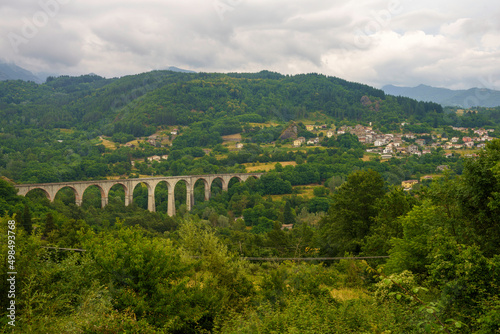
<point x="464" y="98"/>
<point x="10" y="71"/>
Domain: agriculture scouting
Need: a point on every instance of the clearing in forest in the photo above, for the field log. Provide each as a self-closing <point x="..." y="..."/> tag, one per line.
<point x="266" y="166"/>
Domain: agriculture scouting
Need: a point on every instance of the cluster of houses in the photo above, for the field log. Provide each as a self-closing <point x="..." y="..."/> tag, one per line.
<point x="390" y="144"/>
<point x="157" y="140"/>
<point x="313" y="141"/>
<point x="301" y="140"/>
<point x="153" y="158"/>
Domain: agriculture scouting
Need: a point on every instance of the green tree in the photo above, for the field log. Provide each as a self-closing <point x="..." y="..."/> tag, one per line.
<point x="288" y="216"/>
<point x="351" y="212"/>
<point x="148" y="277"/>
<point x="410" y="252"/>
<point x="478" y="197"/>
<point x="387" y="225"/>
<point x="26" y="220"/>
<point x="8" y="196"/>
<point x="50" y="225"/>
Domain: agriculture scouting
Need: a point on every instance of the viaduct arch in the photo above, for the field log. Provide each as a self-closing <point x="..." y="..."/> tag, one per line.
<point x="79" y="187"/>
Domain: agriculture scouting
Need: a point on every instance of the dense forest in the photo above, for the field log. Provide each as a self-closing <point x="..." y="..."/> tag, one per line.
<point x="140" y="272"/>
<point x="136" y="104"/>
<point x="325" y="241"/>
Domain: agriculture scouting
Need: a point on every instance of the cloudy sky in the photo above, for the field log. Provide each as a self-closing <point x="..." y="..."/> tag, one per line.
<point x="443" y="43"/>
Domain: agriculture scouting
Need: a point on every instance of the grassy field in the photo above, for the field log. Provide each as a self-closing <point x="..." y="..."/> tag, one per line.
<point x="432" y="175"/>
<point x="235" y="137"/>
<point x="304" y="191"/>
<point x="307" y="190"/>
<point x="107" y="143"/>
<point x="367" y="157"/>
<point x="267" y="166"/>
<point x="464" y="152"/>
<point x="135" y="142"/>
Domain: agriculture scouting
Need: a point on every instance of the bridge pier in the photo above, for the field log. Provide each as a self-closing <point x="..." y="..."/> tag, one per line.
<point x="128" y="199"/>
<point x="189" y="198"/>
<point x="104" y="201"/>
<point x="171" y="202"/>
<point x="207" y="192"/>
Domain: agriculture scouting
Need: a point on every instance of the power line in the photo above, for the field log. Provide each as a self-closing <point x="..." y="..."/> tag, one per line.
<point x="66" y="249"/>
<point x="264" y="258"/>
<point x="312" y="258"/>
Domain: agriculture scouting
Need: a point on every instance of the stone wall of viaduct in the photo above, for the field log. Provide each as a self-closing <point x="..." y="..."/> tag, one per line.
<point x="129" y="185"/>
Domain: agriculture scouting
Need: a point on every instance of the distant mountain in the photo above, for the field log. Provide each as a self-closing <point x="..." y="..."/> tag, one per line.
<point x="14" y="72"/>
<point x="474" y="97"/>
<point x="176" y="69"/>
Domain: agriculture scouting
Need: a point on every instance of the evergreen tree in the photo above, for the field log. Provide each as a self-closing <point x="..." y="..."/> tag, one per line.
<point x="26" y="221"/>
<point x="351" y="213"/>
<point x="49" y="224"/>
<point x="288" y="217"/>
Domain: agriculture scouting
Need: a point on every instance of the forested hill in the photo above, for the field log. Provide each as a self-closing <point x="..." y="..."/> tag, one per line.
<point x="138" y="104"/>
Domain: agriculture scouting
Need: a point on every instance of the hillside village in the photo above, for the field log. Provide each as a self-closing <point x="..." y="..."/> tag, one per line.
<point x="390" y="145"/>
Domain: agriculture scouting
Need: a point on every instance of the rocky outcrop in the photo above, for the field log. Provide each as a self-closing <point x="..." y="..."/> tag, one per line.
<point x="290" y="132"/>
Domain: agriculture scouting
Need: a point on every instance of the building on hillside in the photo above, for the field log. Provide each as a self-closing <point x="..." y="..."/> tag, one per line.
<point x="442" y="168"/>
<point x="420" y="142"/>
<point x="409" y="135"/>
<point x="388" y="150"/>
<point x="154" y="158"/>
<point x="239" y="146"/>
<point x="310" y="127"/>
<point x="299" y="141"/>
<point x="408" y="184"/>
<point x="413" y="149"/>
<point x="467" y="139"/>
<point x="330" y="133"/>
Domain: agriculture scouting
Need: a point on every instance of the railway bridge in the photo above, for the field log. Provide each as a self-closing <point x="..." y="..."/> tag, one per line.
<point x="79" y="187"/>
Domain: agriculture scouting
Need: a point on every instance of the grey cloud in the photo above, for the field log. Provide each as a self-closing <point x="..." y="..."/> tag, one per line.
<point x="54" y="48"/>
<point x="448" y="43"/>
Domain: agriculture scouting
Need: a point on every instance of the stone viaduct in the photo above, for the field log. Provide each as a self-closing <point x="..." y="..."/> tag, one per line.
<point x="51" y="189"/>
